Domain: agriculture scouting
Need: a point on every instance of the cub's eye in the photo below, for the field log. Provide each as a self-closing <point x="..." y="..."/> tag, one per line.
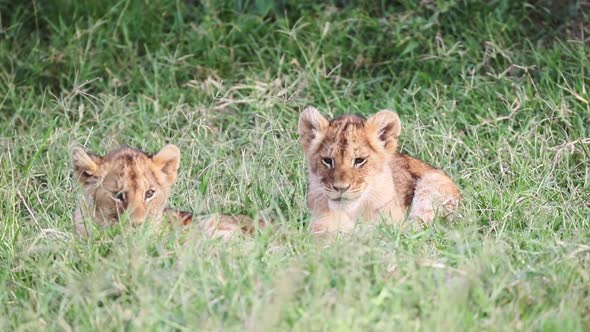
<point x="358" y="162"/>
<point x="149" y="194"/>
<point x="329" y="162"/>
<point x="120" y="196"/>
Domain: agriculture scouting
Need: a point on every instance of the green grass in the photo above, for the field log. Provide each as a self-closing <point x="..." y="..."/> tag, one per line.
<point x="495" y="92"/>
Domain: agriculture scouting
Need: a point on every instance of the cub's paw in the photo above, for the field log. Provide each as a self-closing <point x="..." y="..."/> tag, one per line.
<point x="427" y="213"/>
<point x="426" y="216"/>
<point x="227" y="226"/>
<point x="220" y="226"/>
<point x="331" y="224"/>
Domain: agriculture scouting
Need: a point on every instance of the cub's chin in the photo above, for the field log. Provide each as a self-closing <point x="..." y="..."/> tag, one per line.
<point x="343" y="199"/>
<point x="343" y="202"/>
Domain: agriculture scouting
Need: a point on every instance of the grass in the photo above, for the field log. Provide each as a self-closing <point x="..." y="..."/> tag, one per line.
<point x="495" y="92"/>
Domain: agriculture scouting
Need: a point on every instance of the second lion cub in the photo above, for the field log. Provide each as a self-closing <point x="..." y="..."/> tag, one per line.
<point x="355" y="172"/>
<point x="130" y="181"/>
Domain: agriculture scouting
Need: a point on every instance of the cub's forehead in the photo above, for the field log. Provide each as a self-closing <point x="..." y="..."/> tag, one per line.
<point x="347" y="127"/>
<point x="125" y="154"/>
<point x="129" y="168"/>
<point x="347" y="118"/>
<point x="345" y="134"/>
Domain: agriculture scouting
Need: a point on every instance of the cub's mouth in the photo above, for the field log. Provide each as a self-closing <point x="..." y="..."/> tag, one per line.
<point x="342" y="198"/>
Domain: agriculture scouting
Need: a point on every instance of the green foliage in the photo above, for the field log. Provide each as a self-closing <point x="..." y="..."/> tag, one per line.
<point x="495" y="92"/>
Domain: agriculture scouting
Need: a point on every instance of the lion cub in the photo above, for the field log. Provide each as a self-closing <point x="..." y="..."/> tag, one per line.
<point x="129" y="181"/>
<point x="355" y="172"/>
<point x="125" y="180"/>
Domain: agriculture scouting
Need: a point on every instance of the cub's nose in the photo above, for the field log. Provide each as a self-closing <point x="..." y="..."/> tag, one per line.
<point x="341" y="187"/>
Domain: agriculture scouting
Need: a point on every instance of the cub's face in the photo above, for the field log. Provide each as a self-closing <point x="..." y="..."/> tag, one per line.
<point x="126" y="181"/>
<point x="347" y="154"/>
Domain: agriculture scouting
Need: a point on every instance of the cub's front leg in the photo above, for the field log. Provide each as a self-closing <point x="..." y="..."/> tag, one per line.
<point x="391" y="213"/>
<point x="332" y="222"/>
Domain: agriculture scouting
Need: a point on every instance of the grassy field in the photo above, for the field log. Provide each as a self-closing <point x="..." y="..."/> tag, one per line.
<point x="495" y="92"/>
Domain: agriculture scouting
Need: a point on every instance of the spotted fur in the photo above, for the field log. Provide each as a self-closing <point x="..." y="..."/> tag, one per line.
<point x="355" y="173"/>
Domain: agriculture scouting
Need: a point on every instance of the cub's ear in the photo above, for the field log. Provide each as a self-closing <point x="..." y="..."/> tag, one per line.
<point x="386" y="127"/>
<point x="311" y="125"/>
<point x="86" y="166"/>
<point x="168" y="160"/>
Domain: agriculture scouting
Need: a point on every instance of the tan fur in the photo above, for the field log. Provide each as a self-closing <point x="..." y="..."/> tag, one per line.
<point x="133" y="173"/>
<point x="125" y="181"/>
<point x="226" y="226"/>
<point x="355" y="173"/>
